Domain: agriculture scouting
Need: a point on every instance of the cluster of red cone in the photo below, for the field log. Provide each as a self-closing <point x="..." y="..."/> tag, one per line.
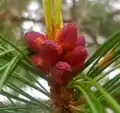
<point x="63" y="58"/>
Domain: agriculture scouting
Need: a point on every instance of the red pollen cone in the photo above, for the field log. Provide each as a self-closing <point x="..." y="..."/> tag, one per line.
<point x="40" y="63"/>
<point x="34" y="40"/>
<point x="77" y="68"/>
<point x="80" y="41"/>
<point x="75" y="56"/>
<point x="68" y="36"/>
<point x="51" y="51"/>
<point x="61" y="73"/>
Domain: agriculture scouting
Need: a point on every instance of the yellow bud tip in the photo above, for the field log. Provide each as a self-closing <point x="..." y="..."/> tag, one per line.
<point x="106" y="58"/>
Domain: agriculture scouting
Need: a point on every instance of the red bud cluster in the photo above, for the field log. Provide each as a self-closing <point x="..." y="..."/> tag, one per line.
<point x="61" y="59"/>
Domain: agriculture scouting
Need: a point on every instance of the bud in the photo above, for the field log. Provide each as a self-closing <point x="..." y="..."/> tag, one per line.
<point x="76" y="68"/>
<point x="75" y="56"/>
<point x="40" y="63"/>
<point x="51" y="51"/>
<point x="80" y="41"/>
<point x="61" y="73"/>
<point x="34" y="40"/>
<point x="68" y="36"/>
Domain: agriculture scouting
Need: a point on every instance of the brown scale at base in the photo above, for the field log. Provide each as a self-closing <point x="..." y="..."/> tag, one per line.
<point x="61" y="98"/>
